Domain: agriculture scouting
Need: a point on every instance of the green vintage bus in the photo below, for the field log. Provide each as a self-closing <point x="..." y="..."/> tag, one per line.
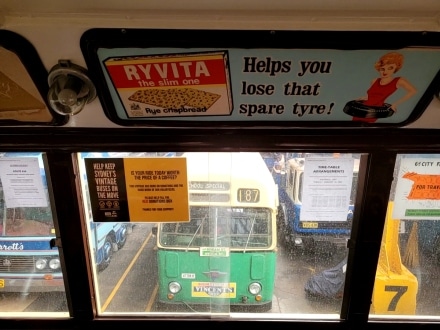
<point x="224" y="258"/>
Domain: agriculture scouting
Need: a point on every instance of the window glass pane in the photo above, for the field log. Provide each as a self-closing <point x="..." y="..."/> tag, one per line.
<point x="408" y="270"/>
<point x="31" y="280"/>
<point x="267" y="233"/>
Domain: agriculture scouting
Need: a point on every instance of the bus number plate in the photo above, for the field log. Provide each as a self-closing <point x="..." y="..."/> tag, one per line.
<point x="310" y="225"/>
<point x="2" y="283"/>
<point x="248" y="195"/>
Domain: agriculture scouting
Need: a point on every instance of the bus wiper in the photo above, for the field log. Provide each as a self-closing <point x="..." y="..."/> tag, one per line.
<point x="250" y="233"/>
<point x="197" y="230"/>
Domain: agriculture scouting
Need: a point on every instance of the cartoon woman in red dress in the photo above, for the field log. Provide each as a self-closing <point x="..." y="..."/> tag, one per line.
<point x="373" y="106"/>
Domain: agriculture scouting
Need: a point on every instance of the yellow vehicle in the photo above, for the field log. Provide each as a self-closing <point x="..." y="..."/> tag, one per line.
<point x="395" y="290"/>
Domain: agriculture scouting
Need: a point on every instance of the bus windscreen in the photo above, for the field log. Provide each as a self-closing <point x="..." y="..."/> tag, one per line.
<point x="220" y="226"/>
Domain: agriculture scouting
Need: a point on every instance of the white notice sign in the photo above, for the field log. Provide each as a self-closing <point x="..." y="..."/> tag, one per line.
<point x="327" y="188"/>
<point x="22" y="182"/>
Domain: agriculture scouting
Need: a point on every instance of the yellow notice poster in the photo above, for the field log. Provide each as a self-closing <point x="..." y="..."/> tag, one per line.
<point x="157" y="189"/>
<point x="138" y="189"/>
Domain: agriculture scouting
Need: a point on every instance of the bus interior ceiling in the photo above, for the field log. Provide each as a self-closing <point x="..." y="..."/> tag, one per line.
<point x="55" y="28"/>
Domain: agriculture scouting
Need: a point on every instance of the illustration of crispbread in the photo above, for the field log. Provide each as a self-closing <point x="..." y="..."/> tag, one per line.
<point x="172" y="98"/>
<point x="144" y="95"/>
<point x="175" y="97"/>
<point x="202" y="99"/>
<point x="13" y="97"/>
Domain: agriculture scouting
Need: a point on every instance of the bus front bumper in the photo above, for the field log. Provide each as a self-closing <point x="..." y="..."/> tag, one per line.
<point x="31" y="285"/>
<point x="306" y="240"/>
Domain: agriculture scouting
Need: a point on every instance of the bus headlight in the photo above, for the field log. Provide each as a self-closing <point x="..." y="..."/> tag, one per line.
<point x="298" y="241"/>
<point x="54" y="263"/>
<point x="255" y="288"/>
<point x="40" y="264"/>
<point x="174" y="287"/>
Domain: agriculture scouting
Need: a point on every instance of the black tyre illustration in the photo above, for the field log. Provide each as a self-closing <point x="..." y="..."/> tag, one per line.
<point x="358" y="109"/>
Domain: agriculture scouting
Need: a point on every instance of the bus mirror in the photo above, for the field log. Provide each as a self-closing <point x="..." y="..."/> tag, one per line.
<point x="154" y="230"/>
<point x="55" y="242"/>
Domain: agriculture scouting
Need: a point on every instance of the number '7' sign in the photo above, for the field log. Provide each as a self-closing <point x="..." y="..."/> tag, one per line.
<point x="400" y="290"/>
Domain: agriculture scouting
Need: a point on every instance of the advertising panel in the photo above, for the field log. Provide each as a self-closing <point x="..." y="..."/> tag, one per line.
<point x="153" y="77"/>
